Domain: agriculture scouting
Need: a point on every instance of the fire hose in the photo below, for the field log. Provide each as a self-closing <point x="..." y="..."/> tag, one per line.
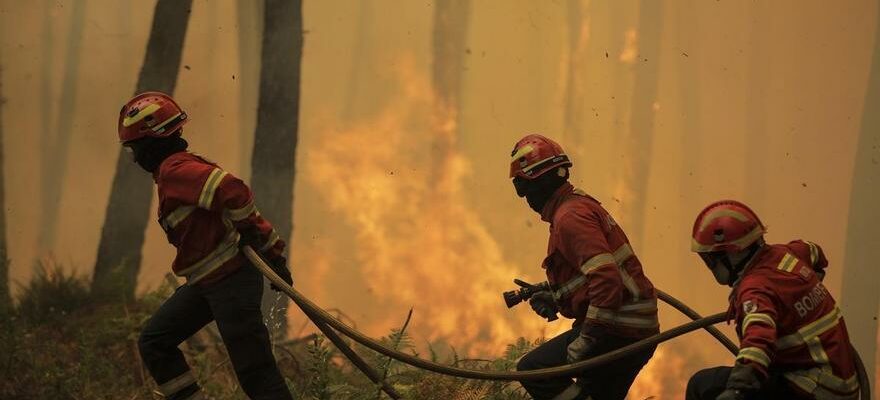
<point x="318" y="315"/>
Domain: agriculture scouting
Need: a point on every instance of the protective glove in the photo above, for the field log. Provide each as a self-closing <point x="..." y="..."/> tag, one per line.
<point x="544" y="304"/>
<point x="744" y="379"/>
<point x="250" y="236"/>
<point x="279" y="266"/>
<point x="580" y="347"/>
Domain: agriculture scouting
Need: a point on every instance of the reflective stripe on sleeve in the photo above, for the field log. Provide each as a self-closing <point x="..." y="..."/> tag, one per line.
<point x="814" y="253"/>
<point x="754" y="354"/>
<point x="239" y="214"/>
<point x="175" y="385"/>
<point x="599" y="260"/>
<point x="206" y="198"/>
<point x="620" y="256"/>
<point x="569" y="287"/>
<point x="273" y="238"/>
<point x="175" y="217"/>
<point x="757" y="318"/>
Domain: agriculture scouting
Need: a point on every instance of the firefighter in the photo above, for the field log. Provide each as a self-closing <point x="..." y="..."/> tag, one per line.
<point x="207" y="214"/>
<point x="595" y="278"/>
<point x="793" y="340"/>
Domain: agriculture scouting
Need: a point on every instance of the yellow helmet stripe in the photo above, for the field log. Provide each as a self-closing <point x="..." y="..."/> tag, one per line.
<point x="522" y="151"/>
<point x="129" y="121"/>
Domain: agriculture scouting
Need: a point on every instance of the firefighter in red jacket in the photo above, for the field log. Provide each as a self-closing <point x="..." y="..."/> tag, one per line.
<point x="793" y="341"/>
<point x="207" y="214"/>
<point x="595" y="278"/>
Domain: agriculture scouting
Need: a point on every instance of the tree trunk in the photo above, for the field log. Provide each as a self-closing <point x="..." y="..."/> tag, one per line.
<point x="122" y="237"/>
<point x="647" y="68"/>
<point x="573" y="127"/>
<point x="356" y="70"/>
<point x="274" y="157"/>
<point x="860" y="297"/>
<point x="450" y="33"/>
<point x="57" y="140"/>
<point x="250" y="26"/>
<point x="5" y="298"/>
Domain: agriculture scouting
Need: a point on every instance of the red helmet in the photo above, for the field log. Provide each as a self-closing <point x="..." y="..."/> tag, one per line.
<point x="726" y="225"/>
<point x="534" y="155"/>
<point x="149" y="114"/>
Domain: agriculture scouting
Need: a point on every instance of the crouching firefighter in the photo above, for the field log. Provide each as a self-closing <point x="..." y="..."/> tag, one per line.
<point x="594" y="278"/>
<point x="207" y="214"/>
<point x="793" y="341"/>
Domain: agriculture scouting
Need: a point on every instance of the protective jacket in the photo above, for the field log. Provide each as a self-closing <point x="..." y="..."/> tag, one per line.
<point x="596" y="277"/>
<point x="202" y="209"/>
<point x="788" y="322"/>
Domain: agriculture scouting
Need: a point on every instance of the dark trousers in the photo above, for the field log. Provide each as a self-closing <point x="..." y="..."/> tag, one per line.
<point x="709" y="383"/>
<point x="608" y="382"/>
<point x="234" y="302"/>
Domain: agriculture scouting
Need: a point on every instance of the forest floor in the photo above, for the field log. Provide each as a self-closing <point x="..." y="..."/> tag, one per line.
<point x="57" y="343"/>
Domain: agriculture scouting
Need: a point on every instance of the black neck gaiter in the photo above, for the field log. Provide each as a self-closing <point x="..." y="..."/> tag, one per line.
<point x="150" y="152"/>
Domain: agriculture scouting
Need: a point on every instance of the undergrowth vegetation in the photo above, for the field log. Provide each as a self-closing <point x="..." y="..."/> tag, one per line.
<point x="58" y="343"/>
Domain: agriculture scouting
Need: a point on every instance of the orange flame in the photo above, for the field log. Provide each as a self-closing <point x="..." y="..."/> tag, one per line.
<point x="398" y="182"/>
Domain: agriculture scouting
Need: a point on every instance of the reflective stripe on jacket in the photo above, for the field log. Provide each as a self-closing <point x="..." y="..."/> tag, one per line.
<point x="202" y="209"/>
<point x="595" y="274"/>
<point x="788" y="321"/>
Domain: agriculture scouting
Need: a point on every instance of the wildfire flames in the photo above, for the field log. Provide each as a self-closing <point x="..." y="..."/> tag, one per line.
<point x="397" y="180"/>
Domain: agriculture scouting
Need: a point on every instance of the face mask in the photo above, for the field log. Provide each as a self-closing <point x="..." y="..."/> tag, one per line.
<point x="538" y="191"/>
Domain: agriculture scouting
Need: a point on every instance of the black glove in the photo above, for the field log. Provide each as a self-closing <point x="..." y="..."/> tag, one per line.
<point x="544" y="304"/>
<point x="744" y="379"/>
<point x="279" y="266"/>
<point x="250" y="236"/>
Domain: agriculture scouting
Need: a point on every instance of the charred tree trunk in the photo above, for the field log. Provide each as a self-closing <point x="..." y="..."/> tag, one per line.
<point x="57" y="140"/>
<point x="860" y="297"/>
<point x="122" y="237"/>
<point x="274" y="157"/>
<point x="647" y="68"/>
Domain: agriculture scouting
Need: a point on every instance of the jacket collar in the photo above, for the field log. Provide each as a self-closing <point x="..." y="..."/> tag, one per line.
<point x="555" y="201"/>
<point x="167" y="161"/>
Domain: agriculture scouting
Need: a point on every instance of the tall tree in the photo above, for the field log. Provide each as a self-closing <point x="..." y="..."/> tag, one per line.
<point x="5" y="298"/>
<point x="57" y="139"/>
<point x="861" y="298"/>
<point x="273" y="163"/>
<point x="450" y="34"/>
<point x="125" y="223"/>
<point x="250" y="25"/>
<point x="647" y="70"/>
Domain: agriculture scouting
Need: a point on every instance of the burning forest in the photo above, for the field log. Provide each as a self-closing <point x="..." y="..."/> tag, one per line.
<point x="400" y="163"/>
